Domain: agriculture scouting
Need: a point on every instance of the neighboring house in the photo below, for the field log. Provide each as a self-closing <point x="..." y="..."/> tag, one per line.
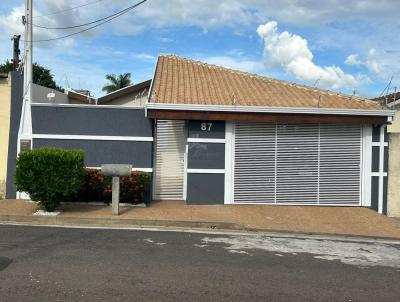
<point x="133" y="95"/>
<point x="69" y="116"/>
<point x="211" y="135"/>
<point x="392" y="101"/>
<point x="5" y="97"/>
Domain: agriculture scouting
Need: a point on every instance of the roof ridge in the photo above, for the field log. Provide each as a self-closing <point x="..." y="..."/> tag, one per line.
<point x="265" y="78"/>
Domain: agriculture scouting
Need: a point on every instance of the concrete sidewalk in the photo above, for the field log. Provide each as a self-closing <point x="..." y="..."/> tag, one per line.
<point x="344" y="221"/>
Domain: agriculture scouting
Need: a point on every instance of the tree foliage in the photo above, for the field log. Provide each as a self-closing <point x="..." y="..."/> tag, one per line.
<point x="40" y="74"/>
<point x="117" y="82"/>
<point x="6" y="67"/>
<point x="43" y="76"/>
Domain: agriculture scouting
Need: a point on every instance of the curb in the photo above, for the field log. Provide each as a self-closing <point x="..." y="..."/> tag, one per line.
<point x="143" y="223"/>
<point x="115" y="222"/>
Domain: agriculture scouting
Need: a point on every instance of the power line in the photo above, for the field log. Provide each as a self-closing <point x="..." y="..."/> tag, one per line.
<point x="67" y="9"/>
<point x="94" y="26"/>
<point x="89" y="23"/>
<point x="387" y="87"/>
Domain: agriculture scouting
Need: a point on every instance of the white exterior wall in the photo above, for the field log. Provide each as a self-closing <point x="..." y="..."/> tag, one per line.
<point x="393" y="201"/>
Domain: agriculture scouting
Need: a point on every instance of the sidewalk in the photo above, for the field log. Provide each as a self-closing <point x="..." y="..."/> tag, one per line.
<point x="345" y="221"/>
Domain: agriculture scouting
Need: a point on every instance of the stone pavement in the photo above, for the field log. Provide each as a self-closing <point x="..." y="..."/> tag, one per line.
<point x="344" y="221"/>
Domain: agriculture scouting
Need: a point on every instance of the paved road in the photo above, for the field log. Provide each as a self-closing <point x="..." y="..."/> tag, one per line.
<point x="57" y="264"/>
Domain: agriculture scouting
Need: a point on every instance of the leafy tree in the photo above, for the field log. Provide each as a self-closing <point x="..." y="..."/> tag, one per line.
<point x="41" y="75"/>
<point x="6" y="67"/>
<point x="117" y="82"/>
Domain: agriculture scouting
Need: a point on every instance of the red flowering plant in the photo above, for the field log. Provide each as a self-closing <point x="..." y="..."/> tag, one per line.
<point x="132" y="188"/>
<point x="97" y="187"/>
<point x="93" y="186"/>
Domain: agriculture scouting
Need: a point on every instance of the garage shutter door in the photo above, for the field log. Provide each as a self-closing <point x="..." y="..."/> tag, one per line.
<point x="297" y="164"/>
<point x="170" y="145"/>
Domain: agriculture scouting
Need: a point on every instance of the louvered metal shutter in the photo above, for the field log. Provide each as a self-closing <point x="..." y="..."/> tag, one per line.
<point x="297" y="164"/>
<point x="254" y="162"/>
<point x="170" y="145"/>
<point x="340" y="164"/>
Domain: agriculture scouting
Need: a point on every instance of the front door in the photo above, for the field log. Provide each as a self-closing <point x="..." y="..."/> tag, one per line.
<point x="170" y="149"/>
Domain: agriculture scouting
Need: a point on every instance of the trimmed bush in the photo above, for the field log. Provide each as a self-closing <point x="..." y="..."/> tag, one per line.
<point x="49" y="175"/>
<point x="97" y="187"/>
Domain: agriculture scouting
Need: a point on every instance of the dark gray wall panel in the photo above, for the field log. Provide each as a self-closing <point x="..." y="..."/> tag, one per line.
<point x="374" y="192"/>
<point x="375" y="159"/>
<point x="206" y="156"/>
<point x="386" y="159"/>
<point x="376" y="133"/>
<point x="139" y="154"/>
<point x="205" y="188"/>
<point x="385" y="187"/>
<point x="90" y="121"/>
<point x="214" y="129"/>
<point x="15" y="116"/>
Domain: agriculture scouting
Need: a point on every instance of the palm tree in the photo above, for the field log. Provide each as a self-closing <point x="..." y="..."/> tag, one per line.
<point x="117" y="82"/>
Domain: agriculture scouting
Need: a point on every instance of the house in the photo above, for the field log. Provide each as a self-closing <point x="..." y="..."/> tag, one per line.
<point x="224" y="136"/>
<point x="392" y="101"/>
<point x="211" y="135"/>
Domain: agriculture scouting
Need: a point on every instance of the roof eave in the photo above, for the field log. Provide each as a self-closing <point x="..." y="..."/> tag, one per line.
<point x="261" y="109"/>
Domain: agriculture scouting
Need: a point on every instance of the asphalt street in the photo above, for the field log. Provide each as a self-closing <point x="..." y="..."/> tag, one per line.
<point x="71" y="264"/>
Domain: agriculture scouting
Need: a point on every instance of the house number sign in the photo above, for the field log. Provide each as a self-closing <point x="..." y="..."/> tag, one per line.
<point x="205" y="126"/>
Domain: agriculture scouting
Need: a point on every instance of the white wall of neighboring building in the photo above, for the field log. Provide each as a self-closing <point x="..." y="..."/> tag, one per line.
<point x="393" y="206"/>
<point x="5" y="102"/>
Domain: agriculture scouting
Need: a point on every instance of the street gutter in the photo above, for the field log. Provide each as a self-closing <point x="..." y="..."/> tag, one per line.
<point x="177" y="226"/>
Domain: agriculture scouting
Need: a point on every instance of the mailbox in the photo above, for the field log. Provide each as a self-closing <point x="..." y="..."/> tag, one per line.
<point x="116" y="171"/>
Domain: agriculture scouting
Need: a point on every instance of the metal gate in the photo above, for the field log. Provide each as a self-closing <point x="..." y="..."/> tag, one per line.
<point x="297" y="164"/>
<point x="170" y="147"/>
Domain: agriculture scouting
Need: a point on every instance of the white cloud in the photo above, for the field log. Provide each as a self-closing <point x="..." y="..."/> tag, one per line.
<point x="12" y="22"/>
<point x="291" y="52"/>
<point x="210" y="14"/>
<point x="370" y="63"/>
<point x="325" y="20"/>
<point x="353" y="60"/>
<point x="383" y="66"/>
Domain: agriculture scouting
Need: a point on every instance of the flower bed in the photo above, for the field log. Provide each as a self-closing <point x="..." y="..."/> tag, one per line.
<point x="97" y="187"/>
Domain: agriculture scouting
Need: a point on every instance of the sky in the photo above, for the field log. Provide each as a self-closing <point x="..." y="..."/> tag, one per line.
<point x="346" y="46"/>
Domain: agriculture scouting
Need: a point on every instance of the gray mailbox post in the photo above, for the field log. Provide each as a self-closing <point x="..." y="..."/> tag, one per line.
<point x="116" y="171"/>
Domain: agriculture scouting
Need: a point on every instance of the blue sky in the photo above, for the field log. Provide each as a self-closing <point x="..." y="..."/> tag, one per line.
<point x="333" y="44"/>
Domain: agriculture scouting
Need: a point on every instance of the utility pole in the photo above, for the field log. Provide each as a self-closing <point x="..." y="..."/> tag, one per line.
<point x="28" y="50"/>
<point x="25" y="125"/>
<point x="16" y="51"/>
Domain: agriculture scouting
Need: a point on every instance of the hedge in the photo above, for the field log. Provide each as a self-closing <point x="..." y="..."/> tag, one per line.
<point x="49" y="175"/>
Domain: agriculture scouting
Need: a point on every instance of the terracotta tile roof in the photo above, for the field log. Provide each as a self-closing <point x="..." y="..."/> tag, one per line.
<point x="387" y="99"/>
<point x="182" y="81"/>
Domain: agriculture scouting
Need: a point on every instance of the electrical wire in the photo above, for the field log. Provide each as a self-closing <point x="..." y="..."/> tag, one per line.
<point x="68" y="9"/>
<point x="88" y="23"/>
<point x="91" y="27"/>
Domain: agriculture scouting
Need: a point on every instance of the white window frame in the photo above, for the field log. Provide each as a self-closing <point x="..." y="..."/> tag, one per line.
<point x="229" y="162"/>
<point x="366" y="157"/>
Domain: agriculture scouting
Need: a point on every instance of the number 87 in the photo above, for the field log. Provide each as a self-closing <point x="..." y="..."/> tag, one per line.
<point x="206" y="126"/>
